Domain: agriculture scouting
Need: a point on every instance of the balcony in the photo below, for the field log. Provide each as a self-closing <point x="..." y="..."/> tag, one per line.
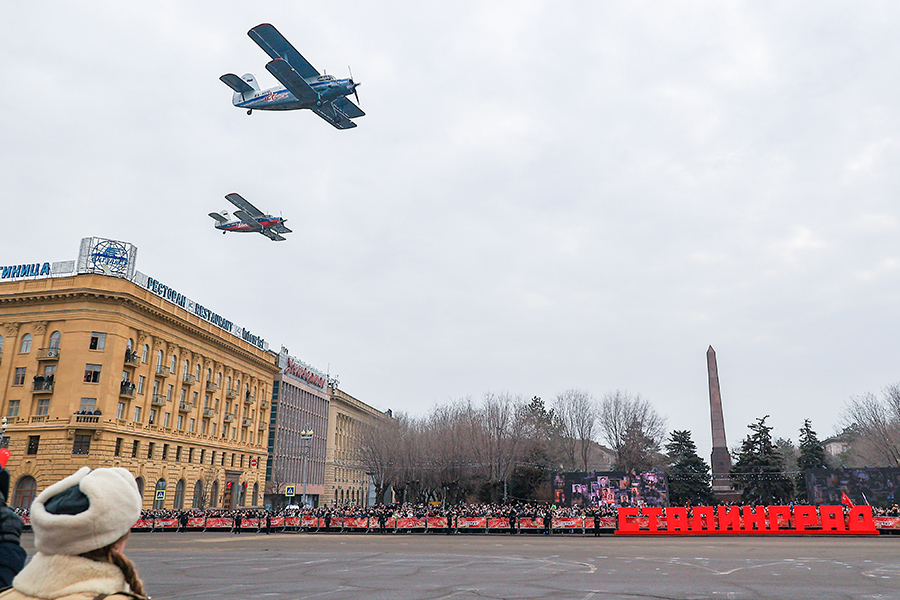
<point x="248" y="399"/>
<point x="162" y="371"/>
<point x="131" y="359"/>
<point x="184" y="407"/>
<point x="48" y="354"/>
<point x="188" y="379"/>
<point x="264" y="405"/>
<point x="228" y="417"/>
<point x="126" y="389"/>
<point x="83" y="419"/>
<point x="39" y="419"/>
<point x="208" y="413"/>
<point x="42" y="385"/>
<point x="158" y="400"/>
<point x="232" y="393"/>
<point x="247" y="422"/>
<point x="211" y="387"/>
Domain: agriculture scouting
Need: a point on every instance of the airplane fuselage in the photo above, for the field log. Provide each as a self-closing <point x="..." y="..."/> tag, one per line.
<point x="327" y="87"/>
<point x="241" y="227"/>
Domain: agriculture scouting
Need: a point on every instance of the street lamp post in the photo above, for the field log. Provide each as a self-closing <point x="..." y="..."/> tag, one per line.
<point x="306" y="435"/>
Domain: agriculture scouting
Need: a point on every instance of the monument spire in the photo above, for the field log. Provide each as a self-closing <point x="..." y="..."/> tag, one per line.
<point x="720" y="459"/>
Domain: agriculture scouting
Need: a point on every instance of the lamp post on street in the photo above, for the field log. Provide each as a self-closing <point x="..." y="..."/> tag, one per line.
<point x="306" y="435"/>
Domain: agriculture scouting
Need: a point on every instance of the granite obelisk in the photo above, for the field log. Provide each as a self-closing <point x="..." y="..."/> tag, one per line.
<point x="720" y="459"/>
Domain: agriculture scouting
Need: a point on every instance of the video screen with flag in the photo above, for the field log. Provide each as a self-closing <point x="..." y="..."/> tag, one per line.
<point x="611" y="488"/>
<point x="875" y="486"/>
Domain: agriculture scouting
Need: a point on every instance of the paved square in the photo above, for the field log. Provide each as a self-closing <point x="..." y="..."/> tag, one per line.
<point x="336" y="567"/>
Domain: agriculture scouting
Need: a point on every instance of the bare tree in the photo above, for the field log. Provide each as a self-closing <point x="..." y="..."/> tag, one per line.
<point x="209" y="477"/>
<point x="576" y="414"/>
<point x="875" y="425"/>
<point x="495" y="436"/>
<point x="632" y="428"/>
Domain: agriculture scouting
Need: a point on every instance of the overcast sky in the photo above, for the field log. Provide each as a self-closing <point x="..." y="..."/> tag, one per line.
<point x="542" y="196"/>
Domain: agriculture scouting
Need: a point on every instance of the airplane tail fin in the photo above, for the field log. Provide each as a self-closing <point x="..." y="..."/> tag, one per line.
<point x="220" y="218"/>
<point x="243" y="86"/>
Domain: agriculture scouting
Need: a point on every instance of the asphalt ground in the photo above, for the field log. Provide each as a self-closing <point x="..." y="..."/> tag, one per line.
<point x="372" y="566"/>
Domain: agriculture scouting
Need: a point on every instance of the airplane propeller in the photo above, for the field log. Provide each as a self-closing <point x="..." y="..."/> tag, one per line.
<point x="354" y="85"/>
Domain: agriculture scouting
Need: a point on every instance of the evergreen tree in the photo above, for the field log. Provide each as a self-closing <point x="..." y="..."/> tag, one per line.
<point x="688" y="474"/>
<point x="758" y="472"/>
<point x="812" y="456"/>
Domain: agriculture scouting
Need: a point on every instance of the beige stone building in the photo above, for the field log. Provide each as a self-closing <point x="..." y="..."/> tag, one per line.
<point x="105" y="371"/>
<point x="346" y="481"/>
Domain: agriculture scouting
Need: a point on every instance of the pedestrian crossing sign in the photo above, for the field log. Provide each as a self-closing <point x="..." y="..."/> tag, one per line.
<point x="289" y="491"/>
<point x="160" y="494"/>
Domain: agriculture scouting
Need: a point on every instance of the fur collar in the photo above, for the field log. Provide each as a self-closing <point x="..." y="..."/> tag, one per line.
<point x="55" y="575"/>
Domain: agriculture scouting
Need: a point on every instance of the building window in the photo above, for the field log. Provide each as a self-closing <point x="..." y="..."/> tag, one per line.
<point x="180" y="422"/>
<point x="54" y="339"/>
<point x="137" y="414"/>
<point x="214" y="430"/>
<point x="13" y="410"/>
<point x="190" y="455"/>
<point x="179" y="495"/>
<point x="19" y="377"/>
<point x="82" y="444"/>
<point x="43" y="406"/>
<point x="223" y="459"/>
<point x="183" y="397"/>
<point x="87" y="405"/>
<point x="120" y="410"/>
<point x="118" y="450"/>
<point x="202" y="424"/>
<point x="165" y="452"/>
<point x="150" y="448"/>
<point x="169" y="392"/>
<point x="192" y="425"/>
<point x="166" y="417"/>
<point x="232" y="459"/>
<point x="202" y="455"/>
<point x="160" y="496"/>
<point x="134" y="449"/>
<point x="33" y="442"/>
<point x="26" y="489"/>
<point x="152" y="416"/>
<point x="141" y="381"/>
<point x="25" y="348"/>
<point x="98" y="341"/>
<point x="145" y="354"/>
<point x="197" y="372"/>
<point x="213" y="459"/>
<point x="177" y="453"/>
<point x="91" y="373"/>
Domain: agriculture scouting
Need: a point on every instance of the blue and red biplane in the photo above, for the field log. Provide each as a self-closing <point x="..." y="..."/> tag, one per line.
<point x="250" y="219"/>
<point x="303" y="85"/>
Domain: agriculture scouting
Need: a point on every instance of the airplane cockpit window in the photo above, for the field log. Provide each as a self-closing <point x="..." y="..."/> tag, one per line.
<point x="326" y="78"/>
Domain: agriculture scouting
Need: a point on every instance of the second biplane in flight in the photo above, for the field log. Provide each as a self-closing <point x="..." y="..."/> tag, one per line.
<point x="251" y="219"/>
<point x="304" y="86"/>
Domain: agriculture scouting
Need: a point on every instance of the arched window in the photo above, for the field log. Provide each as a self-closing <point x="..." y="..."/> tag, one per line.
<point x="140" y="485"/>
<point x="173" y="365"/>
<point x="187" y="368"/>
<point x="26" y="489"/>
<point x="130" y="344"/>
<point x="179" y="495"/>
<point x="255" y="494"/>
<point x="1" y="343"/>
<point x="242" y="494"/>
<point x="159" y="360"/>
<point x="25" y="348"/>
<point x="145" y="354"/>
<point x="208" y="375"/>
<point x="197" y="371"/>
<point x="214" y="495"/>
<point x="197" y="502"/>
<point x="54" y="339"/>
<point x="159" y="500"/>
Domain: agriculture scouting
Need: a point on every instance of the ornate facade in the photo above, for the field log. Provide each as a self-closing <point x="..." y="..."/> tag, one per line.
<point x="97" y="370"/>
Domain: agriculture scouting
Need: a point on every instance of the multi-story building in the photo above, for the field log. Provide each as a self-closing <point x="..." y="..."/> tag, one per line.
<point x="101" y="365"/>
<point x="346" y="481"/>
<point x="297" y="434"/>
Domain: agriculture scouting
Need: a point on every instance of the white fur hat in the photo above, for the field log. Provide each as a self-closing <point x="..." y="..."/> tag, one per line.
<point x="112" y="501"/>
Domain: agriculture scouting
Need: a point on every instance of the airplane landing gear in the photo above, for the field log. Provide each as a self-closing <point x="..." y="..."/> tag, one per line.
<point x="249" y="111"/>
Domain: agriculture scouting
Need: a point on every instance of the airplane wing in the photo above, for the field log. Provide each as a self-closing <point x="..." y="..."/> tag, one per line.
<point x="236" y="83"/>
<point x="245" y="206"/>
<point x="292" y="80"/>
<point x="274" y="44"/>
<point x="219" y="218"/>
<point x="272" y="235"/>
<point x="348" y="108"/>
<point x="330" y="113"/>
<point x="280" y="228"/>
<point x="248" y="220"/>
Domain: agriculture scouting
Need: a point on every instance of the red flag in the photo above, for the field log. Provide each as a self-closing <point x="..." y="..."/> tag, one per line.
<point x="845" y="499"/>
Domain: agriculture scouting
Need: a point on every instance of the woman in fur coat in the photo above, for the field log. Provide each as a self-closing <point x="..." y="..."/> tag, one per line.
<point x="80" y="527"/>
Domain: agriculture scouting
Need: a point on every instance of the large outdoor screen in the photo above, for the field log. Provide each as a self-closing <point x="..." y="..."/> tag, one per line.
<point x="878" y="487"/>
<point x="610" y="488"/>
